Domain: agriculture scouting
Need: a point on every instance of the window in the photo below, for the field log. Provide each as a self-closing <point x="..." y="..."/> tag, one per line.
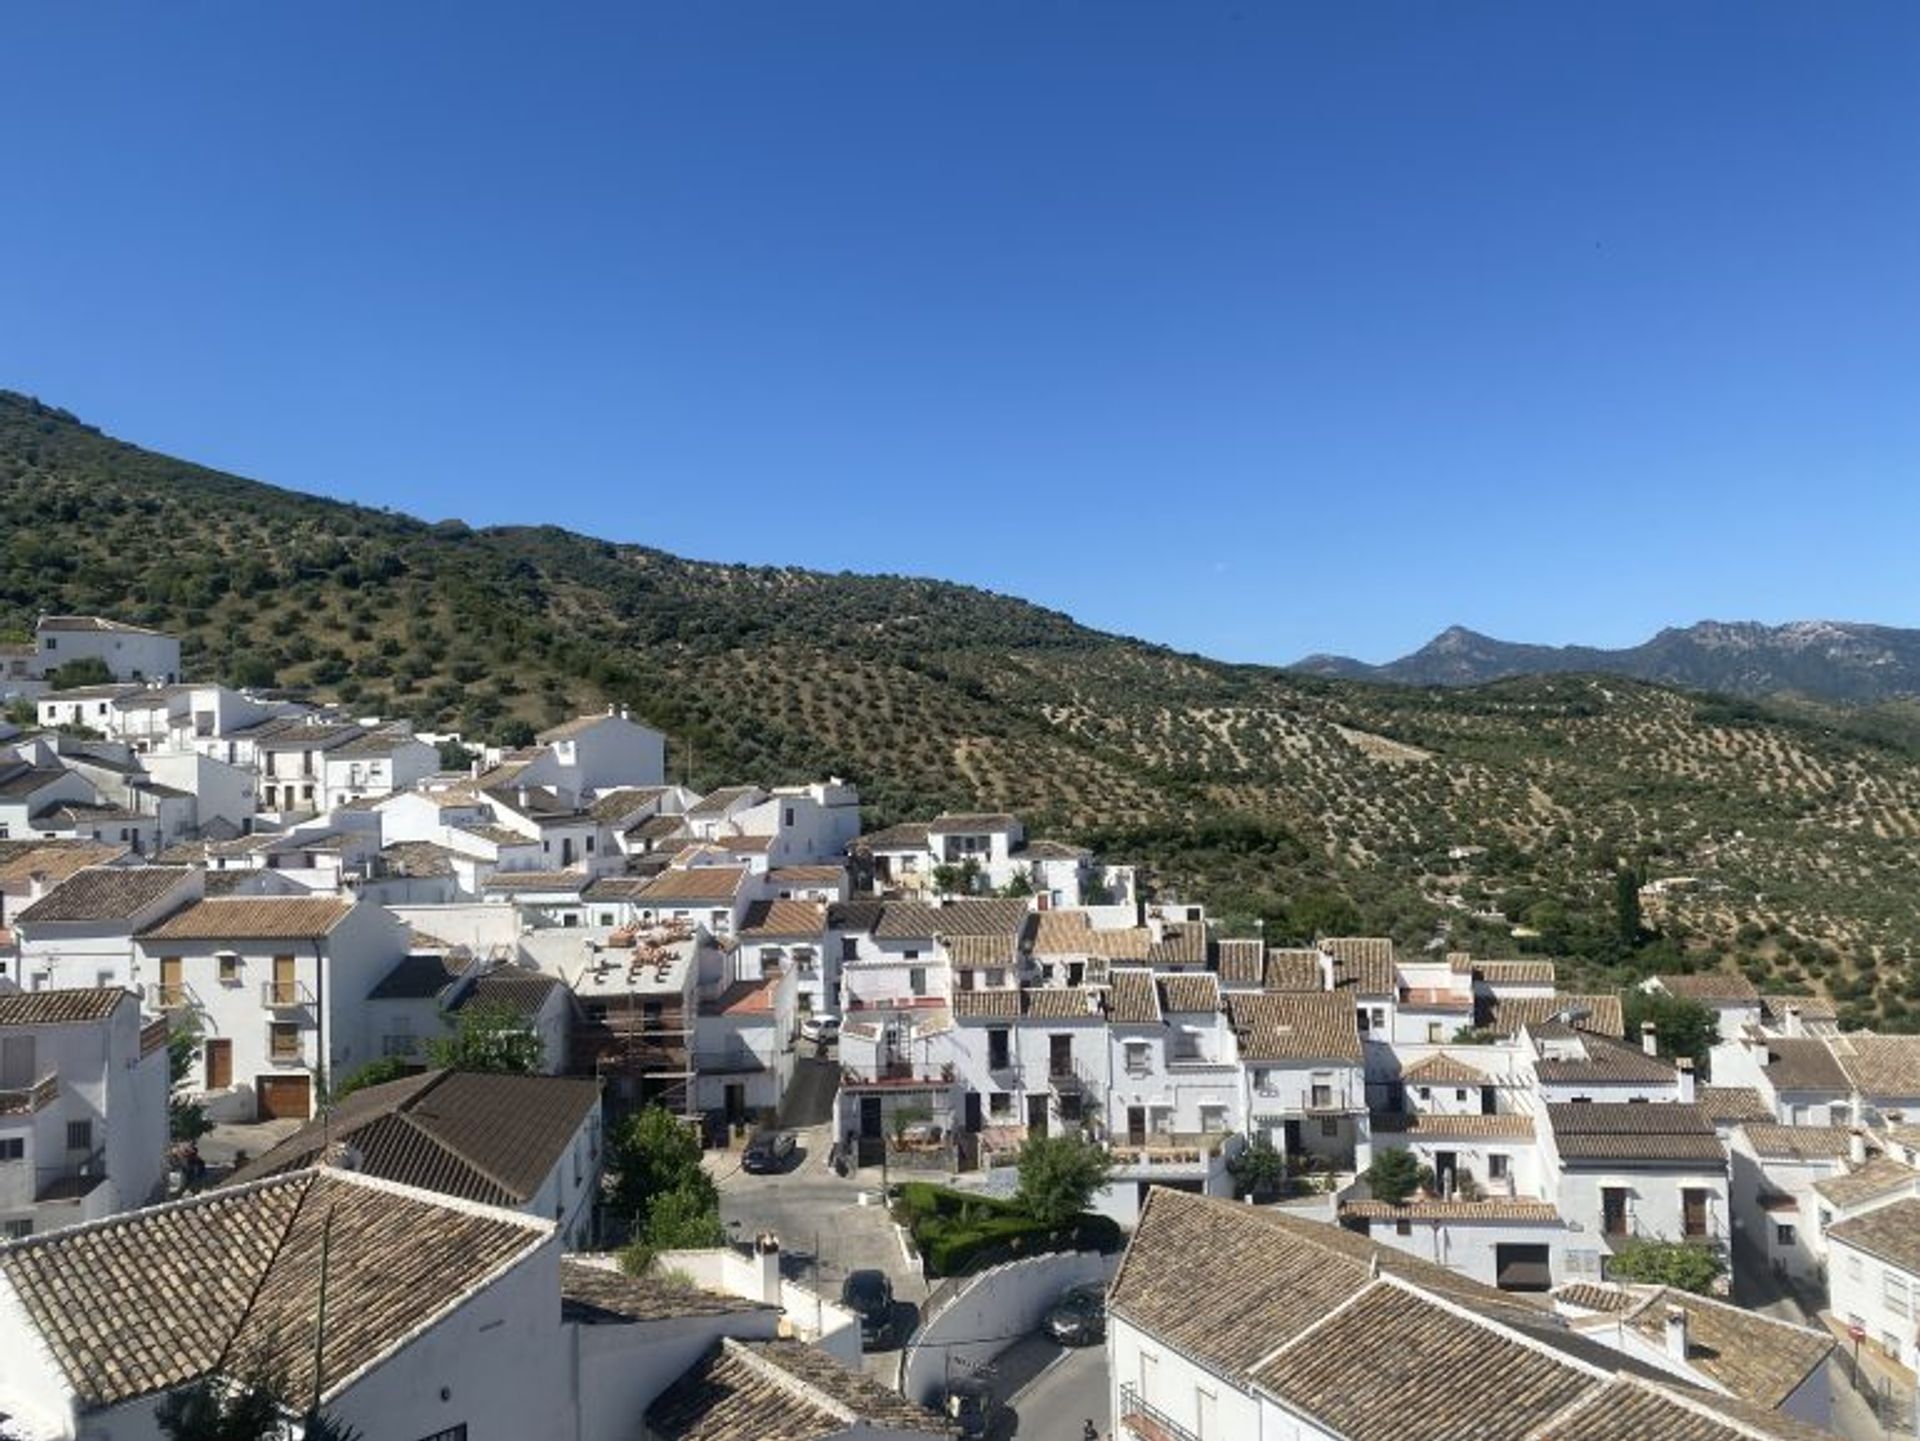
<point x="849" y="948"/>
<point x="571" y="918"/>
<point x="283" y="1041"/>
<point x="913" y="953"/>
<point x="1329" y="1126"/>
<point x="1139" y="1059"/>
<point x="1322" y="1096"/>
<point x="998" y="1057"/>
<point x="1499" y="1165"/>
<point x="996" y="977"/>
<point x="606" y="918"/>
<point x="13" y="1148"/>
<point x="1460" y="1094"/>
<point x="1893" y="1292"/>
<point x="787" y="818"/>
<point x="917" y="980"/>
<point x="1433" y="1032"/>
<point x="1213" y="1120"/>
<point x="1854" y="1268"/>
<point x="1403" y="1228"/>
<point x="1426" y="1093"/>
<point x="1783" y="1235"/>
<point x="1360" y="1019"/>
<point x="16" y="1230"/>
<point x="229" y="968"/>
<point x="1826" y="1220"/>
<point x="590" y="840"/>
<point x="1000" y="1104"/>
<point x="79" y="1135"/>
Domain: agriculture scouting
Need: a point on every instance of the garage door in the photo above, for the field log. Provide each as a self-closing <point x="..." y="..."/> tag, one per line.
<point x="285" y="1098"/>
<point x="1523" y="1268"/>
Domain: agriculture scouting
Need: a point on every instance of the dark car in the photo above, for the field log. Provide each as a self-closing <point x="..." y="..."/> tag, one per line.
<point x="1079" y="1318"/>
<point x="768" y="1152"/>
<point x="969" y="1405"/>
<point x="869" y="1295"/>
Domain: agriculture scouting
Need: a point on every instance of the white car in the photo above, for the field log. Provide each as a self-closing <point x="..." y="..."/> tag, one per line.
<point x="822" y="1027"/>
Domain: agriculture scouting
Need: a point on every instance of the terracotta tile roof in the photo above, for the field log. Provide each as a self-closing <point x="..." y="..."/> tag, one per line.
<point x="596" y="1295"/>
<point x="1725" y="1105"/>
<point x="958" y="822"/>
<point x="253" y="918"/>
<point x="415" y="978"/>
<point x="1773" y="1009"/>
<point x="717" y="803"/>
<point x="746" y="845"/>
<point x="514" y="987"/>
<point x="1444" y="1069"/>
<point x="1068" y="933"/>
<point x="1440" y="1362"/>
<point x="569" y="882"/>
<point x="570" y="729"/>
<point x="1499" y="1209"/>
<point x="104" y="893"/>
<point x="780" y="1391"/>
<point x="1708" y="986"/>
<point x="149" y="1300"/>
<point x="1433" y="1123"/>
<point x="910" y="836"/>
<point x="1760" y="1360"/>
<point x="1881" y="1176"/>
<point x="1293" y="970"/>
<point x="998" y="1004"/>
<point x="1803" y="1063"/>
<point x="1891" y="1232"/>
<point x="470" y="1134"/>
<point x="979" y="918"/>
<point x="1240" y="962"/>
<point x="1192" y="994"/>
<point x="857" y="915"/>
<point x="1592" y="1296"/>
<point x="1607" y="1061"/>
<point x="808" y="875"/>
<point x="417" y="859"/>
<point x="1064" y="1003"/>
<point x="56" y="860"/>
<point x="713" y="884"/>
<point x="1266" y="1277"/>
<point x="1515" y="973"/>
<point x="1505" y="1015"/>
<point x="1795" y="1143"/>
<point x="75" y="1006"/>
<point x="1627" y="1131"/>
<point x="1879" y="1066"/>
<point x="785" y="918"/>
<point x="1364" y="964"/>
<point x="1181" y="943"/>
<point x="615" y="888"/>
<point x="977" y="952"/>
<point x="1295" y="1026"/>
<point x="1135" y="1000"/>
<point x="1632" y="1408"/>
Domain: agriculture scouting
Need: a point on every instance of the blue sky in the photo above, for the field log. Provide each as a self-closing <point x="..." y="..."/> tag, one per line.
<point x="1253" y="329"/>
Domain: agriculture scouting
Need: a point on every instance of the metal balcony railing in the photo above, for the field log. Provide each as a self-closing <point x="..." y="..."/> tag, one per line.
<point x="1167" y="1148"/>
<point x="285" y="995"/>
<point x="1149" y="1422"/>
<point x="177" y="996"/>
<point x="25" y="1100"/>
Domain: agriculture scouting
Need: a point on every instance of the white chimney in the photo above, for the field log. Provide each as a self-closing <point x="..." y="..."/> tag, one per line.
<point x="1677" y="1332"/>
<point x="1684" y="1065"/>
<point x="1856" y="1147"/>
<point x="1326" y="971"/>
<point x="1649" y="1038"/>
<point x="1793" y="1020"/>
<point x="766" y="1255"/>
<point x="36" y="885"/>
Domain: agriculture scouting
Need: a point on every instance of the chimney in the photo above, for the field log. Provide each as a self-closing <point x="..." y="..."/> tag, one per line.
<point x="766" y="1256"/>
<point x="36" y="885"/>
<point x="1793" y="1020"/>
<point x="1326" y="971"/>
<point x="1649" y="1038"/>
<point x="1677" y="1333"/>
<point x="1684" y="1065"/>
<point x="1856" y="1147"/>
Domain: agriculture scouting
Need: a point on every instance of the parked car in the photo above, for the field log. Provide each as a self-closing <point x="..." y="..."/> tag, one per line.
<point x="969" y="1405"/>
<point x="1079" y="1318"/>
<point x="768" y="1152"/>
<point x="869" y="1295"/>
<point x="822" y="1028"/>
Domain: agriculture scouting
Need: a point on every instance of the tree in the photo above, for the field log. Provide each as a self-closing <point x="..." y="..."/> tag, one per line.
<point x="1666" y="1263"/>
<point x="686" y="1218"/>
<point x="652" y="1154"/>
<point x="186" y="1119"/>
<point x="1393" y="1176"/>
<point x="252" y="672"/>
<point x="210" y="1411"/>
<point x="456" y="757"/>
<point x="88" y="670"/>
<point x="489" y="1036"/>
<point x="1682" y="1027"/>
<point x="1059" y="1176"/>
<point x="1626" y="906"/>
<point x="1260" y="1168"/>
<point x="1020" y="884"/>
<point x="374" y="1073"/>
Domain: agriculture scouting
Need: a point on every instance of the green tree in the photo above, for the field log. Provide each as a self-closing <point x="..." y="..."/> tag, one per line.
<point x="1260" y="1168"/>
<point x="489" y="1036"/>
<point x="1626" y="906"/>
<point x="1019" y="885"/>
<point x="1666" y="1263"/>
<point x="1682" y="1027"/>
<point x="374" y="1073"/>
<point x="186" y="1119"/>
<point x="1059" y="1176"/>
<point x="687" y="1217"/>
<point x="252" y="672"/>
<point x="456" y="757"/>
<point x="1393" y="1176"/>
<point x="653" y="1153"/>
<point x="209" y="1410"/>
<point x="88" y="670"/>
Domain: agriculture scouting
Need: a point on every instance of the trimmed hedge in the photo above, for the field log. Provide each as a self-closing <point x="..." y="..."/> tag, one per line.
<point x="960" y="1231"/>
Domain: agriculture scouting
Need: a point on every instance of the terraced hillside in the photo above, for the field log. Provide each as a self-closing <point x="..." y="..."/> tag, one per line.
<point x="1314" y="804"/>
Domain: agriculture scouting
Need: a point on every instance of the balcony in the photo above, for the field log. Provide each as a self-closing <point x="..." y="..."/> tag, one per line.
<point x="286" y="995"/>
<point x="1191" y="1058"/>
<point x="1168" y="1149"/>
<point x="896" y="1075"/>
<point x="894" y="1003"/>
<point x="25" y="1100"/>
<point x="172" y="996"/>
<point x="1149" y="1423"/>
<point x="1071" y="1079"/>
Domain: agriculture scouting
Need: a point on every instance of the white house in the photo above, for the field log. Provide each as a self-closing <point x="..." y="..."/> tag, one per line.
<point x="375" y="763"/>
<point x="1733" y="999"/>
<point x="80" y="933"/>
<point x="793" y="935"/>
<point x="528" y="1143"/>
<point x="131" y="652"/>
<point x="83" y="1107"/>
<point x="278" y="987"/>
<point x="743" y="1033"/>
<point x="595" y="753"/>
<point x="1873" y="1276"/>
<point x="1773" y="1172"/>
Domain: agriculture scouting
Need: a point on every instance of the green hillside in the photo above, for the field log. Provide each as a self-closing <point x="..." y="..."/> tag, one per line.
<point x="1313" y="803"/>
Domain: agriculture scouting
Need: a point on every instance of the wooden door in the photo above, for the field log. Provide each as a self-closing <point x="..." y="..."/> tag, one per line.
<point x="1136" y="1125"/>
<point x="219" y="1064"/>
<point x="1693" y="1212"/>
<point x="285" y="1098"/>
<point x="283" y="981"/>
<point x="1613" y="1210"/>
<point x="172" y="992"/>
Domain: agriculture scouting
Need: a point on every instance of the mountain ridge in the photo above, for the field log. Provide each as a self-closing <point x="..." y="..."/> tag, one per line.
<point x="1846" y="662"/>
<point x="1494" y="819"/>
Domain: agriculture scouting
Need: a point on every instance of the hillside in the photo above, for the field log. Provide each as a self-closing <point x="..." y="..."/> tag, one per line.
<point x="1830" y="661"/>
<point x="1316" y="804"/>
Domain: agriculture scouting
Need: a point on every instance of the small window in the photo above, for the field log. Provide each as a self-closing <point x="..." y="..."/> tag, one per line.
<point x="589" y="845"/>
<point x="16" y="1230"/>
<point x="849" y="948"/>
<point x="917" y="980"/>
<point x="229" y="968"/>
<point x="1783" y="1235"/>
<point x="1403" y="1227"/>
<point x="913" y="953"/>
<point x="1893" y="1292"/>
<point x="606" y="918"/>
<point x="79" y="1135"/>
<point x="1433" y="1032"/>
<point x="13" y="1148"/>
<point x="999" y="1103"/>
<point x="1499" y="1165"/>
<point x="1329" y="1126"/>
<point x="1426" y="1093"/>
<point x="1459" y="1094"/>
<point x="283" y="1041"/>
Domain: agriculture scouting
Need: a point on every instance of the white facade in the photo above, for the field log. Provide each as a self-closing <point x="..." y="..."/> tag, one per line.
<point x="131" y="652"/>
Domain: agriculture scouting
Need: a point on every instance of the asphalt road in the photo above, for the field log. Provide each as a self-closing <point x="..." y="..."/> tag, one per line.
<point x="1070" y="1388"/>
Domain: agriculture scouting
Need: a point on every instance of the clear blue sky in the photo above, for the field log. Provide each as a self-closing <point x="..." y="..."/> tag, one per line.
<point x="1255" y="329"/>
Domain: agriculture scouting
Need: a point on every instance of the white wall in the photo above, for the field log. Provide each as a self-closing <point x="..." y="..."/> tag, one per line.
<point x="1866" y="1290"/>
<point x="1175" y="1386"/>
<point x="1472" y="1247"/>
<point x="993" y="1310"/>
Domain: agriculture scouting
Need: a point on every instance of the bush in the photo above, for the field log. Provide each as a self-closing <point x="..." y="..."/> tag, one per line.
<point x="1393" y="1176"/>
<point x="1666" y="1263"/>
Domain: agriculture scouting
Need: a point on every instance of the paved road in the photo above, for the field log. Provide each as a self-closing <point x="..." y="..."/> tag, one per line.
<point x="1757" y="1289"/>
<point x="808" y="1100"/>
<point x="824" y="1229"/>
<point x="1070" y="1388"/>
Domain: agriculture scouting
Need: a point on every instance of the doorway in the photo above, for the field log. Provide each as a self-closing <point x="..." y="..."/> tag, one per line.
<point x="219" y="1064"/>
